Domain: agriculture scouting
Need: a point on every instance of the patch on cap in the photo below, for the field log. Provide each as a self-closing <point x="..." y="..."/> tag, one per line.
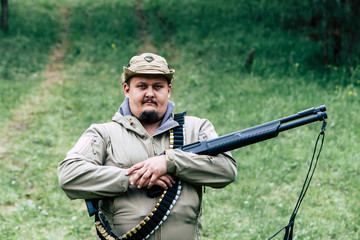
<point x="149" y="58"/>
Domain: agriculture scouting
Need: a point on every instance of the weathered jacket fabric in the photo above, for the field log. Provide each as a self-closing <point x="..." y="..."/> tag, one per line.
<point x="95" y="168"/>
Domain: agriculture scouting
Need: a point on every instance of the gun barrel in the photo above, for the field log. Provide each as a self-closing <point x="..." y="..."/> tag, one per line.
<point x="297" y="123"/>
<point x="304" y="113"/>
<point x="256" y="134"/>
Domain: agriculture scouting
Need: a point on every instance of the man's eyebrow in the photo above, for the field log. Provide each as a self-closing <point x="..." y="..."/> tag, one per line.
<point x="141" y="82"/>
<point x="159" y="82"/>
<point x="147" y="83"/>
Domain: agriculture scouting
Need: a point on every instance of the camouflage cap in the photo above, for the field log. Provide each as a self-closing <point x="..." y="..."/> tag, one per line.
<point x="147" y="63"/>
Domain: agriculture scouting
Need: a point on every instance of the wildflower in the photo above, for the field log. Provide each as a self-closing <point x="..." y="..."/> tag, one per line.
<point x="336" y="91"/>
<point x="335" y="68"/>
<point x="358" y="81"/>
<point x="355" y="94"/>
<point x="329" y="66"/>
<point x="297" y="64"/>
<point x="350" y="93"/>
<point x="351" y="85"/>
<point x="113" y="46"/>
<point x="337" y="86"/>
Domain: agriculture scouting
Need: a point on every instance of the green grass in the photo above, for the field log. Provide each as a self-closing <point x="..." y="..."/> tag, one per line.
<point x="207" y="43"/>
<point x="25" y="51"/>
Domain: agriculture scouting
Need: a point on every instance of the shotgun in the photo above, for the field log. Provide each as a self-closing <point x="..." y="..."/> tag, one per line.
<point x="256" y="134"/>
<point x="242" y="138"/>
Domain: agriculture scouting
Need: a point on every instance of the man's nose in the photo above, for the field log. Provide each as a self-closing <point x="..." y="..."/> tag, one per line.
<point x="150" y="91"/>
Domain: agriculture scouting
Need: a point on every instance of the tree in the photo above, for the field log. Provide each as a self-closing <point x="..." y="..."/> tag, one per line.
<point x="332" y="23"/>
<point x="337" y="22"/>
<point x="4" y="15"/>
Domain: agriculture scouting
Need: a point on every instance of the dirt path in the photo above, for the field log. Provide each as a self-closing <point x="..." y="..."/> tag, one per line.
<point x="145" y="38"/>
<point x="25" y="113"/>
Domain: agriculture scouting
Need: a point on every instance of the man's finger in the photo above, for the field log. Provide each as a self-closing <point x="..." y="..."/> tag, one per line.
<point x="134" y="168"/>
<point x="134" y="178"/>
<point x="143" y="178"/>
<point x="166" y="180"/>
<point x="160" y="183"/>
<point x="170" y="177"/>
<point x="152" y="180"/>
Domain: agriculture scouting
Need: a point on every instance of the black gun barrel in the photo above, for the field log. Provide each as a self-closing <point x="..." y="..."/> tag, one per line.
<point x="299" y="122"/>
<point x="255" y="134"/>
<point x="304" y="113"/>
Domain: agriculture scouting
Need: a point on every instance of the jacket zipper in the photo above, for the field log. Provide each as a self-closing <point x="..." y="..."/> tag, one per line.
<point x="152" y="143"/>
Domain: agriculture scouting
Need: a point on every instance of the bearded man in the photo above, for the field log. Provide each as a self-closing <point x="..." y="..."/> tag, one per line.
<point x="121" y="162"/>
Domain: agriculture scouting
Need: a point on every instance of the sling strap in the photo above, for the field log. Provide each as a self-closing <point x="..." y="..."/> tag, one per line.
<point x="163" y="207"/>
<point x="289" y="228"/>
<point x="176" y="141"/>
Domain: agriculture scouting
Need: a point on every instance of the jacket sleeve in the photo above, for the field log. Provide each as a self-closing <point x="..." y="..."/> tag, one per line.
<point x="83" y="173"/>
<point x="214" y="171"/>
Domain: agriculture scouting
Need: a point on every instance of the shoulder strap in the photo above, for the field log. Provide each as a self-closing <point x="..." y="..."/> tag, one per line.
<point x="179" y="133"/>
<point x="177" y="136"/>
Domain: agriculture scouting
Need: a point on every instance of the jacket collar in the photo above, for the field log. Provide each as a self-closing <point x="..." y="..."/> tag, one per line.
<point x="125" y="114"/>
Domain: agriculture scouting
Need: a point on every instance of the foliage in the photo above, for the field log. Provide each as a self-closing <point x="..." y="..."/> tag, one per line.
<point x="331" y="23"/>
<point x="207" y="43"/>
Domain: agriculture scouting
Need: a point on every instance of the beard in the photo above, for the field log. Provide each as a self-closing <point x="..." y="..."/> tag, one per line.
<point x="149" y="117"/>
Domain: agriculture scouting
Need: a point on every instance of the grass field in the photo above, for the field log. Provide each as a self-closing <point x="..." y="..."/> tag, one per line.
<point x="60" y="66"/>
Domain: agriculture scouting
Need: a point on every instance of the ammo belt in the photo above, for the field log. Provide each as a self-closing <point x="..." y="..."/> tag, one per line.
<point x="162" y="208"/>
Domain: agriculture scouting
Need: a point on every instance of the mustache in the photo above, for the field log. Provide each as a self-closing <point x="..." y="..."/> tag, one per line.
<point x="149" y="100"/>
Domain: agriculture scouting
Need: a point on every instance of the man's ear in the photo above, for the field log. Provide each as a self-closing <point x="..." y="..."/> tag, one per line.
<point x="126" y="89"/>
<point x="169" y="91"/>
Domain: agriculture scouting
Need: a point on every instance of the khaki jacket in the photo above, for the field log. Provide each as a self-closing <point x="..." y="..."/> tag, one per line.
<point x="95" y="168"/>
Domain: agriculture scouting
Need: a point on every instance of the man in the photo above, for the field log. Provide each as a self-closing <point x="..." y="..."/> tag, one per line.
<point x="120" y="161"/>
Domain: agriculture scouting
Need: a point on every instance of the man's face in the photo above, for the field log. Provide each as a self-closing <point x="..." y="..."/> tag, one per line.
<point x="148" y="97"/>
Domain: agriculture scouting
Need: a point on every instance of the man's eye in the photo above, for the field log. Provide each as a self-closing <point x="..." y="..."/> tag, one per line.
<point x="142" y="86"/>
<point x="158" y="87"/>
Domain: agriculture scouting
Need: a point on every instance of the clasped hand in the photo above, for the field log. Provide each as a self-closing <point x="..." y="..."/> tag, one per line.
<point x="152" y="171"/>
